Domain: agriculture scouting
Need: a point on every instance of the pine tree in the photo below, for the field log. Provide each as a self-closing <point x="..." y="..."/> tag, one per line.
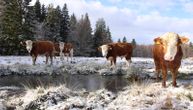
<point x="43" y="13"/>
<point x="52" y="24"/>
<point x="2" y="6"/>
<point x="191" y="45"/>
<point x="101" y="35"/>
<point x="108" y="36"/>
<point x="28" y="20"/>
<point x="11" y="26"/>
<point x="124" y="39"/>
<point x="73" y="37"/>
<point x="37" y="9"/>
<point x="119" y="40"/>
<point x="133" y="42"/>
<point x="65" y="24"/>
<point x="85" y="40"/>
<point x="73" y="34"/>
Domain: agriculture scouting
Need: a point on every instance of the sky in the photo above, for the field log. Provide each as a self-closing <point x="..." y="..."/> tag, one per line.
<point x="142" y="20"/>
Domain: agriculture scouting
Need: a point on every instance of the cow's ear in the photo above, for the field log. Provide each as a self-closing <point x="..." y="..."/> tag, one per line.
<point x="184" y="40"/>
<point x="99" y="49"/>
<point x="158" y="41"/>
<point x="22" y="43"/>
<point x="110" y="47"/>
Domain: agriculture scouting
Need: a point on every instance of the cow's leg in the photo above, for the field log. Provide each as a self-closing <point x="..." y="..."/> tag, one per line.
<point x="157" y="74"/>
<point x="111" y="61"/>
<point x="71" y="54"/>
<point x="114" y="62"/>
<point x="128" y="60"/>
<point x="47" y="59"/>
<point x="34" y="57"/>
<point x="67" y="56"/>
<point x="164" y="75"/>
<point x="157" y="70"/>
<point x="174" y="75"/>
<point x="51" y="59"/>
<point x="61" y="56"/>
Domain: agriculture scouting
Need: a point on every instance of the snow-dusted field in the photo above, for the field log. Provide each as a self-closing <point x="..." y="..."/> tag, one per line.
<point x="140" y="95"/>
<point x="22" y="65"/>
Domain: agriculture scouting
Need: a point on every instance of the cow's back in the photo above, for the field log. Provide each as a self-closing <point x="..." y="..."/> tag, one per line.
<point x="122" y="49"/>
<point x="57" y="48"/>
<point x="67" y="47"/>
<point x="42" y="47"/>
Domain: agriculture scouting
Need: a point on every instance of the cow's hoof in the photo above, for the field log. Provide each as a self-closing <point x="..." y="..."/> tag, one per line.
<point x="175" y="85"/>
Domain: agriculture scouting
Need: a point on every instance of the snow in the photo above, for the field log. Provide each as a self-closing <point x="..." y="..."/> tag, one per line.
<point x="81" y="65"/>
<point x="138" y="96"/>
<point x="145" y="95"/>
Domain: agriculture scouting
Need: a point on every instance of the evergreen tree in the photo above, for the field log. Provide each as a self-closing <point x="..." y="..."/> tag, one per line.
<point x="43" y="13"/>
<point x="28" y="20"/>
<point x="52" y="24"/>
<point x="191" y="45"/>
<point x="2" y="4"/>
<point x="73" y="35"/>
<point x="37" y="9"/>
<point x="119" y="40"/>
<point x="108" y="36"/>
<point x="73" y="30"/>
<point x="124" y="39"/>
<point x="133" y="42"/>
<point x="65" y="24"/>
<point x="11" y="26"/>
<point x="101" y="35"/>
<point x="85" y="41"/>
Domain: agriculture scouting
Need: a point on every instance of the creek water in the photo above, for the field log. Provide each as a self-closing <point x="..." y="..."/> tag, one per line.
<point x="73" y="82"/>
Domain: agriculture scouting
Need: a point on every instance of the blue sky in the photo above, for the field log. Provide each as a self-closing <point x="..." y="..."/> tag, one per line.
<point x="140" y="19"/>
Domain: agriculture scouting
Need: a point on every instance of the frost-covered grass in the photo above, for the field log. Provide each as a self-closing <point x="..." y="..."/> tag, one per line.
<point x="146" y="95"/>
<point x="143" y="95"/>
<point x="22" y="65"/>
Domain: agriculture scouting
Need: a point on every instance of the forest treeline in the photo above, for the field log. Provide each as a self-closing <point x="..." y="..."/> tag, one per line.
<point x="20" y="21"/>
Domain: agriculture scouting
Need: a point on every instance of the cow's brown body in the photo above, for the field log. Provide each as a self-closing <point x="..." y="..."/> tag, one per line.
<point x="67" y="50"/>
<point x="42" y="48"/>
<point x="57" y="48"/>
<point x="121" y="50"/>
<point x="163" y="63"/>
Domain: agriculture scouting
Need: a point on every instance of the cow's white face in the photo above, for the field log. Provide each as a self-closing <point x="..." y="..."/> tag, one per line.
<point x="170" y="42"/>
<point x="61" y="46"/>
<point x="104" y="49"/>
<point x="29" y="45"/>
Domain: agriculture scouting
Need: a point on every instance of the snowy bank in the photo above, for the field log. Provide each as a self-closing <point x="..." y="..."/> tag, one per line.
<point x="21" y="65"/>
<point x="138" y="96"/>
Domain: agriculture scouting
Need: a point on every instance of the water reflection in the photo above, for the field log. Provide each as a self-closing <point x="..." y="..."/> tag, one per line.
<point x="74" y="82"/>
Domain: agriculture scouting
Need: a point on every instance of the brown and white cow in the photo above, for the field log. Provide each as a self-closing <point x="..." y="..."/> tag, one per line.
<point x="112" y="50"/>
<point x="167" y="54"/>
<point x="36" y="48"/>
<point x="64" y="49"/>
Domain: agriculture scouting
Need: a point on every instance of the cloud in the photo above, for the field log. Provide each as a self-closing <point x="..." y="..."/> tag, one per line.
<point x="115" y="1"/>
<point x="130" y="22"/>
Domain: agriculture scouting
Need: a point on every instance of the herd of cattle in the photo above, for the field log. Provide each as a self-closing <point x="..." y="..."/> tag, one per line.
<point x="167" y="52"/>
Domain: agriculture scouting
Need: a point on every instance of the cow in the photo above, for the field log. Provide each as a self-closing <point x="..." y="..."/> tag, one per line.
<point x="64" y="49"/>
<point x="36" y="48"/>
<point x="167" y="54"/>
<point x="113" y="50"/>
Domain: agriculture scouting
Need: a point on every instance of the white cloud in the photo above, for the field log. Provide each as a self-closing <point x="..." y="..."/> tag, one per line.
<point x="129" y="22"/>
<point x="115" y="1"/>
